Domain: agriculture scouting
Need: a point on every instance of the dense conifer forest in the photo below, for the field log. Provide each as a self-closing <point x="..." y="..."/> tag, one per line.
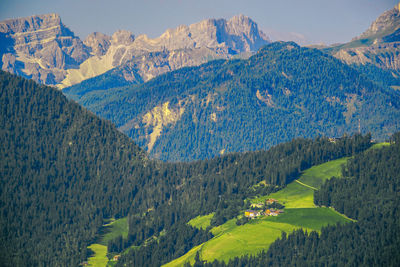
<point x="63" y="172"/>
<point x="282" y="92"/>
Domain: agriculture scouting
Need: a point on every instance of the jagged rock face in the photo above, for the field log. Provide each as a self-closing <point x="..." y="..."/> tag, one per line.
<point x="40" y="47"/>
<point x="153" y="64"/>
<point x="387" y="20"/>
<point x="185" y="46"/>
<point x="239" y="34"/>
<point x="379" y="45"/>
<point x="385" y="56"/>
<point x="98" y="43"/>
<point x="122" y="37"/>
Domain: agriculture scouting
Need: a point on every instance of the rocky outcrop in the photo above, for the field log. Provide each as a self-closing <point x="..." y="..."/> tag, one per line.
<point x="378" y="45"/>
<point x="385" y="56"/>
<point x="386" y="22"/>
<point x="239" y="34"/>
<point x="98" y="43"/>
<point x="41" y="48"/>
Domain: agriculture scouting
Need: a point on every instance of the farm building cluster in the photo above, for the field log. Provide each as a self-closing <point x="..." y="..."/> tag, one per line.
<point x="263" y="209"/>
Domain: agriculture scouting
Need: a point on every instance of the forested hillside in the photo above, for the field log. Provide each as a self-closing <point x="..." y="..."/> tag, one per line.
<point x="220" y="185"/>
<point x="369" y="193"/>
<point x="63" y="172"/>
<point x="282" y="92"/>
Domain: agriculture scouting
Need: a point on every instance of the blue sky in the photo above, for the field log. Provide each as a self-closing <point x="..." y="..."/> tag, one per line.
<point x="317" y="20"/>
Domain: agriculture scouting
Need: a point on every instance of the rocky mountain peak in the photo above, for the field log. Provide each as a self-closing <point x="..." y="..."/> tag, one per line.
<point x="98" y="42"/>
<point x="388" y="20"/>
<point x="240" y="24"/>
<point x="245" y="28"/>
<point x="378" y="45"/>
<point x="239" y="34"/>
<point x="122" y="37"/>
<point x="29" y="24"/>
<point x="40" y="47"/>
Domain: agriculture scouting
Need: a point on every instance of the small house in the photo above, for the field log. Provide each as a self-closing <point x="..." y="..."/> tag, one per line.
<point x="271" y="212"/>
<point x="116" y="257"/>
<point x="251" y="213"/>
<point x="270" y="201"/>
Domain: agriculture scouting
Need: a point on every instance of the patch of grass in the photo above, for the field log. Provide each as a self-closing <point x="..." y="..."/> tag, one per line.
<point x="188" y="257"/>
<point x="379" y="145"/>
<point x="226" y="227"/>
<point x="201" y="222"/>
<point x="115" y="229"/>
<point x="312" y="218"/>
<point x="250" y="238"/>
<point x="111" y="230"/>
<point x="317" y="175"/>
<point x="295" y="195"/>
<point x="99" y="259"/>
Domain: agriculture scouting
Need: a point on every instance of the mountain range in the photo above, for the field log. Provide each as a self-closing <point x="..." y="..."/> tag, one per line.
<point x="66" y="176"/>
<point x="281" y="92"/>
<point x="44" y="49"/>
<point x="75" y="188"/>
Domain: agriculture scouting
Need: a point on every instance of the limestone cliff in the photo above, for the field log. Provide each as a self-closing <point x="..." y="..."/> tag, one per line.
<point x="42" y="48"/>
<point x="378" y="45"/>
<point x="175" y="48"/>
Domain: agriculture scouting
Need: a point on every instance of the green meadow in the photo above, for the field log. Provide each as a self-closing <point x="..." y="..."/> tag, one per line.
<point x="231" y="240"/>
<point x="380" y="145"/>
<point x="201" y="222"/>
<point x="110" y="230"/>
<point x="317" y="175"/>
<point x="99" y="259"/>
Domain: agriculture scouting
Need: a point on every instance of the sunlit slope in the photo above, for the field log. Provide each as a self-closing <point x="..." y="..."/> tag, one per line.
<point x="232" y="240"/>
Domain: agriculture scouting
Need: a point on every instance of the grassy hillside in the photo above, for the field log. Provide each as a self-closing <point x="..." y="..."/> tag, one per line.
<point x="99" y="258"/>
<point x="366" y="194"/>
<point x="232" y="240"/>
<point x="245" y="105"/>
<point x="109" y="231"/>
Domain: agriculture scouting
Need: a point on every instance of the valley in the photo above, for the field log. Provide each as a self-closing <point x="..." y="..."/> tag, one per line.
<point x="204" y="145"/>
<point x="231" y="240"/>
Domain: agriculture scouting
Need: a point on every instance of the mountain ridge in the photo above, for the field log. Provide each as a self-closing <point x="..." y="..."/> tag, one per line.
<point x="378" y="45"/>
<point x="238" y="105"/>
<point x="49" y="59"/>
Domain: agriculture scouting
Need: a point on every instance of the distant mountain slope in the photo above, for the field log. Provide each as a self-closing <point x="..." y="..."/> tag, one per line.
<point x="282" y="92"/>
<point x="378" y="45"/>
<point x="62" y="170"/>
<point x="42" y="48"/>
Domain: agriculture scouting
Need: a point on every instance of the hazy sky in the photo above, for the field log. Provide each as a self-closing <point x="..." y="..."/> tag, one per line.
<point x="318" y="20"/>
